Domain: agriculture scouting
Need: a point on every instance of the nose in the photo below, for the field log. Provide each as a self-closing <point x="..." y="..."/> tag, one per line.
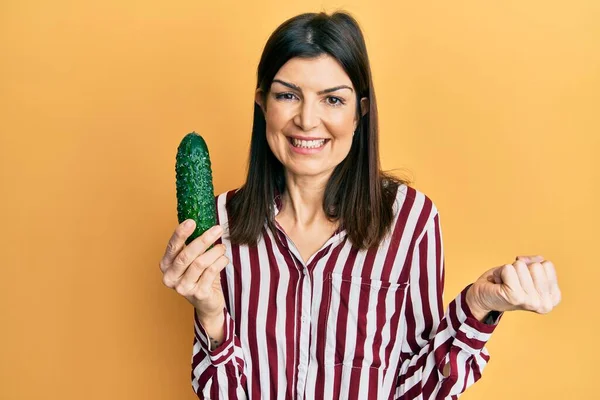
<point x="308" y="116"/>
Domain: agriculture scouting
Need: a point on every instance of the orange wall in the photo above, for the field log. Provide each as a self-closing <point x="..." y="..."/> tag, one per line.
<point x="491" y="107"/>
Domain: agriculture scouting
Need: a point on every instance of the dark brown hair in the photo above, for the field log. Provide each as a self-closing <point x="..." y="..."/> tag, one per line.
<point x="358" y="194"/>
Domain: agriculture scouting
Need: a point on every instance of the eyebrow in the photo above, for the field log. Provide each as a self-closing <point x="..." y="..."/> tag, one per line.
<point x="292" y="86"/>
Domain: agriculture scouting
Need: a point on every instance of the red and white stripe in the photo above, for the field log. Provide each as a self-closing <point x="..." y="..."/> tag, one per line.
<point x="348" y="324"/>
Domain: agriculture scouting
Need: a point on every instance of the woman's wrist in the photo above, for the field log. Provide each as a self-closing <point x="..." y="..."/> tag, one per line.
<point x="213" y="326"/>
<point x="478" y="312"/>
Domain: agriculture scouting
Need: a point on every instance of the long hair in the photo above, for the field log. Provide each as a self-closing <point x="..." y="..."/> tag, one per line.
<point x="358" y="194"/>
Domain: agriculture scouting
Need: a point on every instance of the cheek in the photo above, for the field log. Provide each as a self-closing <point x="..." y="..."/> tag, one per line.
<point x="277" y="115"/>
<point x="272" y="120"/>
<point x="341" y="126"/>
<point x="276" y="120"/>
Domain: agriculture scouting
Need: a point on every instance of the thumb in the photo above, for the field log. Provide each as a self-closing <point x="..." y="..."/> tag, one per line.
<point x="488" y="276"/>
<point x="497" y="275"/>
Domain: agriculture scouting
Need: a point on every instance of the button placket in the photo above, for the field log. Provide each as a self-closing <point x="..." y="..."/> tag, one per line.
<point x="304" y="312"/>
<point x="306" y="304"/>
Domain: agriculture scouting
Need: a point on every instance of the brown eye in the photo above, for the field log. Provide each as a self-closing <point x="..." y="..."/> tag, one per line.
<point x="285" y="96"/>
<point x="335" y="101"/>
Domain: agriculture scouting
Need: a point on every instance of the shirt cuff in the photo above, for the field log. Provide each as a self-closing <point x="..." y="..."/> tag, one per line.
<point x="472" y="334"/>
<point x="224" y="352"/>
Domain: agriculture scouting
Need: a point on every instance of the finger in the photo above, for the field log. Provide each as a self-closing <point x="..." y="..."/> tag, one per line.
<point x="530" y="259"/>
<point x="176" y="243"/>
<point x="210" y="274"/>
<point x="191" y="276"/>
<point x="508" y="275"/>
<point x="550" y="272"/>
<point x="539" y="278"/>
<point x="540" y="281"/>
<point x="525" y="277"/>
<point x="194" y="249"/>
<point x="511" y="286"/>
<point x="555" y="294"/>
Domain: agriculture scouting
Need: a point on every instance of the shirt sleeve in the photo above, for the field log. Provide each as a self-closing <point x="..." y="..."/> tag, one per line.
<point x="444" y="352"/>
<point x="218" y="373"/>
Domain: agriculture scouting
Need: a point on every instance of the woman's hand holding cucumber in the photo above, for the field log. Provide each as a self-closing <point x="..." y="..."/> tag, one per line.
<point x="193" y="271"/>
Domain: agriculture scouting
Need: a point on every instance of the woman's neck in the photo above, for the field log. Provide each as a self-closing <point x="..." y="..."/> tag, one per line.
<point x="302" y="201"/>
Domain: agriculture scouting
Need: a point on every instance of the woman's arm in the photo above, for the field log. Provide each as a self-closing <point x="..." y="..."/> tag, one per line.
<point x="445" y="352"/>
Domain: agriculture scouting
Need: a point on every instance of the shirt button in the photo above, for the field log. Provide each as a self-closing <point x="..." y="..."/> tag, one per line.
<point x="470" y="335"/>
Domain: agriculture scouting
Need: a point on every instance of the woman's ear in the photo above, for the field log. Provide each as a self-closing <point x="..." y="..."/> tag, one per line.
<point x="259" y="99"/>
<point x="364" y="109"/>
<point x="364" y="106"/>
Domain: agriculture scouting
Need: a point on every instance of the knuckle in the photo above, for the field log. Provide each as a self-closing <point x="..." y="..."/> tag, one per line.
<point x="213" y="269"/>
<point x="181" y="289"/>
<point x="216" y="268"/>
<point x="179" y="231"/>
<point x="535" y="267"/>
<point x="198" y="263"/>
<point x="171" y="247"/>
<point x="507" y="269"/>
<point x="520" y="266"/>
<point x="550" y="270"/>
<point x="205" y="239"/>
<point x="182" y="259"/>
<point x="168" y="282"/>
<point x="535" y="305"/>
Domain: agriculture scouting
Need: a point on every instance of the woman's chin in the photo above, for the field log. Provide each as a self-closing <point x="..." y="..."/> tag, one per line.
<point x="306" y="171"/>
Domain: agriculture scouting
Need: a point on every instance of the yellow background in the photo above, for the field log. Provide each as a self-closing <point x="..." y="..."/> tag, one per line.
<point x="491" y="107"/>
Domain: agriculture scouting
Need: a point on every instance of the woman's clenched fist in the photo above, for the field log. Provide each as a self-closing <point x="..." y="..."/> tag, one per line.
<point x="529" y="283"/>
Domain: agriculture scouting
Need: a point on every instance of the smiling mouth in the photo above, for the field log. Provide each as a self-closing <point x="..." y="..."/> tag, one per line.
<point x="307" y="144"/>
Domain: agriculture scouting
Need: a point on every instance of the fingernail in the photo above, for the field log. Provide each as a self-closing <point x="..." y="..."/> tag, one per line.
<point x="215" y="230"/>
<point x="188" y="223"/>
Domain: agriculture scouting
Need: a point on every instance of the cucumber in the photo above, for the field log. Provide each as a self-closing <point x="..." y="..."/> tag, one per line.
<point x="195" y="191"/>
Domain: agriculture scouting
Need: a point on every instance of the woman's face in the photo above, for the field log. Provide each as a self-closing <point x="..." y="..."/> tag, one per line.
<point x="310" y="113"/>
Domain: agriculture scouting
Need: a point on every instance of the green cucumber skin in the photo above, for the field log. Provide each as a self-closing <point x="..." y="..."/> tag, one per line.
<point x="195" y="191"/>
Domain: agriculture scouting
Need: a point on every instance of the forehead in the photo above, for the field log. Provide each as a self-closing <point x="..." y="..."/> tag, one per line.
<point x="314" y="73"/>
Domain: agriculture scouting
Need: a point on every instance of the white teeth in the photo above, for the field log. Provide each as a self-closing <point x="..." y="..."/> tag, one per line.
<point x="308" y="144"/>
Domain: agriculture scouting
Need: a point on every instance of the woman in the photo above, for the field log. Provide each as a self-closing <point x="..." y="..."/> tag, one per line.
<point x="327" y="275"/>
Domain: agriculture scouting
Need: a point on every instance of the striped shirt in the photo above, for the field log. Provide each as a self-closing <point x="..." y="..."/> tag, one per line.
<point x="347" y="324"/>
